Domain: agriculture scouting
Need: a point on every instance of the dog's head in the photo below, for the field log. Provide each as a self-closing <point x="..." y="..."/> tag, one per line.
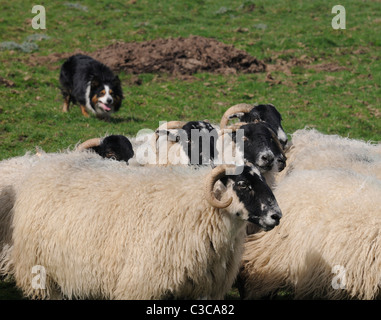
<point x="106" y="97"/>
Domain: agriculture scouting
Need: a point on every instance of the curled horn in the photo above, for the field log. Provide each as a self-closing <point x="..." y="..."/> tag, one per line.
<point x="95" y="142"/>
<point x="172" y="125"/>
<point x="167" y="125"/>
<point x="216" y="174"/>
<point x="242" y="107"/>
<point x="232" y="128"/>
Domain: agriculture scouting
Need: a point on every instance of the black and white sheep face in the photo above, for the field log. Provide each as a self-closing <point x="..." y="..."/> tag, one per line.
<point x="115" y="147"/>
<point x="257" y="203"/>
<point x="200" y="145"/>
<point x="279" y="156"/>
<point x="197" y="140"/>
<point x="260" y="148"/>
<point x="269" y="114"/>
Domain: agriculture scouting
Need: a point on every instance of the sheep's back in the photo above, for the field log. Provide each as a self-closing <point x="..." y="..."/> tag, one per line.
<point x="86" y="215"/>
<point x="331" y="218"/>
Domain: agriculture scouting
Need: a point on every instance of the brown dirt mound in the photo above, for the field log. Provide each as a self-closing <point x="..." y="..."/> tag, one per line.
<point x="182" y="56"/>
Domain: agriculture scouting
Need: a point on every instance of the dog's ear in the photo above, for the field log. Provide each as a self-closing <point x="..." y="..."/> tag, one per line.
<point x="117" y="84"/>
<point x="116" y="81"/>
<point x="95" y="82"/>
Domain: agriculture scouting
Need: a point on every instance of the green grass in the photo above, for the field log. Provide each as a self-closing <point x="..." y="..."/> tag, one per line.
<point x="345" y="102"/>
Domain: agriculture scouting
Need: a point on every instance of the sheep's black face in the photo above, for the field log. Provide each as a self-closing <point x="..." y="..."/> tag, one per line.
<point x="200" y="145"/>
<point x="269" y="114"/>
<point x="115" y="147"/>
<point x="257" y="198"/>
<point x="258" y="146"/>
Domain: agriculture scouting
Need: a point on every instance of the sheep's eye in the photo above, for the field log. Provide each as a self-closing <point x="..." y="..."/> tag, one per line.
<point x="243" y="185"/>
<point x="111" y="155"/>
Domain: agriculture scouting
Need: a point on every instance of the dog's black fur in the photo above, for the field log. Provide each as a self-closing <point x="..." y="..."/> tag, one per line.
<point x="83" y="80"/>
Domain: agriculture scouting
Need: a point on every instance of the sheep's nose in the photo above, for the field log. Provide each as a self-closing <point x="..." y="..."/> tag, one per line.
<point x="268" y="158"/>
<point x="276" y="217"/>
<point x="281" y="164"/>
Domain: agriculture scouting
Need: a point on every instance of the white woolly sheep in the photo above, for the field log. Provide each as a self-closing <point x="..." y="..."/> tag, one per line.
<point x="13" y="171"/>
<point x="328" y="243"/>
<point x="311" y="149"/>
<point x="106" y="231"/>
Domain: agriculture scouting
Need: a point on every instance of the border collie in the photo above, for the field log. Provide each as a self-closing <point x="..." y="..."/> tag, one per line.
<point x="92" y="85"/>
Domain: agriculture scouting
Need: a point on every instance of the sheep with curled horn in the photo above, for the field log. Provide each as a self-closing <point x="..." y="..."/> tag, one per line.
<point x="252" y="113"/>
<point x="260" y="147"/>
<point x="117" y="147"/>
<point x="187" y="143"/>
<point x="156" y="232"/>
<point x="174" y="143"/>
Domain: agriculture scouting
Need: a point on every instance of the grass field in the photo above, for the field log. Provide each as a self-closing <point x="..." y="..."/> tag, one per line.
<point x="336" y="92"/>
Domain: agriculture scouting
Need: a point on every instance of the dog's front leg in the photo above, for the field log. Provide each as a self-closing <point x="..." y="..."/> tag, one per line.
<point x="65" y="107"/>
<point x="84" y="111"/>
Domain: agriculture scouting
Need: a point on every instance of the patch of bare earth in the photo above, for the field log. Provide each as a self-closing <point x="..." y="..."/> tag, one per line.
<point x="6" y="82"/>
<point x="286" y="65"/>
<point x="178" y="56"/>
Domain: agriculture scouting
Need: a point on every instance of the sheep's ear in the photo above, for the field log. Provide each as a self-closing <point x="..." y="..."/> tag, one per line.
<point x="174" y="135"/>
<point x="236" y="115"/>
<point x="219" y="189"/>
<point x="254" y="115"/>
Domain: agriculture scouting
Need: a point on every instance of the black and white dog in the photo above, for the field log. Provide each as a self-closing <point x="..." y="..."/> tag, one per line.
<point x="92" y="85"/>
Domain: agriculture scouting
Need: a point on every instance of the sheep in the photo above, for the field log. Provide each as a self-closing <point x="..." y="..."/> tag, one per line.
<point x="179" y="142"/>
<point x="252" y="113"/>
<point x="198" y="142"/>
<point x="147" y="233"/>
<point x="117" y="147"/>
<point x="327" y="244"/>
<point x="13" y="170"/>
<point x="311" y="149"/>
<point x="260" y="147"/>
